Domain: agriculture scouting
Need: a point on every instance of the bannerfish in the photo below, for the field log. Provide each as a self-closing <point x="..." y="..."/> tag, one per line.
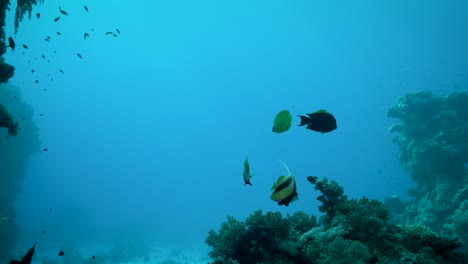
<point x="284" y="189"/>
<point x="11" y="43"/>
<point x="246" y="173"/>
<point x="282" y="122"/>
<point x="27" y="258"/>
<point x="320" y="121"/>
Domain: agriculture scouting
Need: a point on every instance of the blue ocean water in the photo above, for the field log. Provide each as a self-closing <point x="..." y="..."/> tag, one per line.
<point x="146" y="135"/>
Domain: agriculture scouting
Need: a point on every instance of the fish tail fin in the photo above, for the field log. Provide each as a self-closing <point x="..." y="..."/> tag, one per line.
<point x="286" y="166"/>
<point x="304" y="120"/>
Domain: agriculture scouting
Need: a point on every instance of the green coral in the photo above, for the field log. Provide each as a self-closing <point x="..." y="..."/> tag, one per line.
<point x="418" y="237"/>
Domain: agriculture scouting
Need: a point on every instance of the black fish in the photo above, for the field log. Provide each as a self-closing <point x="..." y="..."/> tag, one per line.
<point x="85" y="8"/>
<point x="11" y="43"/>
<point x="25" y="46"/>
<point x="27" y="258"/>
<point x="320" y="121"/>
<point x="118" y="31"/>
<point x="61" y="253"/>
<point x="63" y="12"/>
<point x="38" y="15"/>
<point x="86" y="35"/>
<point x="56" y="19"/>
<point x="61" y="71"/>
<point x="109" y="33"/>
<point x="58" y="33"/>
<point x="79" y="55"/>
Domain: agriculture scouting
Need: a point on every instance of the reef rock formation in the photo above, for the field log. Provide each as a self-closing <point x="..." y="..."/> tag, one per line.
<point x="432" y="136"/>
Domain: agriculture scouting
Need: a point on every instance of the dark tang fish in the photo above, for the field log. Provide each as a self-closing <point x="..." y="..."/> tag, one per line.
<point x="27" y="258"/>
<point x="320" y="121"/>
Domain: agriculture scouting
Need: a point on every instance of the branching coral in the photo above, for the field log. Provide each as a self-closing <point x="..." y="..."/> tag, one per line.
<point x="354" y="231"/>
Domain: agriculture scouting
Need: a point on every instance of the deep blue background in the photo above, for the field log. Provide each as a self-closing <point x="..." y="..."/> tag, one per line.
<point x="147" y="134"/>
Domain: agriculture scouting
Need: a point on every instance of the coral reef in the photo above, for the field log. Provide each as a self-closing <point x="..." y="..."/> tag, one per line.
<point x="350" y="231"/>
<point x="432" y="137"/>
<point x="14" y="157"/>
<point x="6" y="120"/>
<point x="6" y="70"/>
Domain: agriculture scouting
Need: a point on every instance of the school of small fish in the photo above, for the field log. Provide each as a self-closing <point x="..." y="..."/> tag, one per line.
<point x="61" y="15"/>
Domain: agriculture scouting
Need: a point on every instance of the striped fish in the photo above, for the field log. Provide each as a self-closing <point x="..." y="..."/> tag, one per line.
<point x="284" y="189"/>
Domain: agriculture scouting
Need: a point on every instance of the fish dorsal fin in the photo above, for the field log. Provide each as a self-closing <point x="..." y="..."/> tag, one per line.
<point x="322" y="111"/>
<point x="278" y="182"/>
<point x="289" y="172"/>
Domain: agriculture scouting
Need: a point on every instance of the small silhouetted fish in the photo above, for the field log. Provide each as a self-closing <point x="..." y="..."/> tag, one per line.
<point x="43" y="56"/>
<point x="93" y="257"/>
<point x="56" y="19"/>
<point x="45" y="149"/>
<point x="86" y="8"/>
<point x="58" y="33"/>
<point x="32" y="71"/>
<point x="11" y="43"/>
<point x="118" y="31"/>
<point x="36" y="81"/>
<point x="86" y="35"/>
<point x="43" y="232"/>
<point x="27" y="258"/>
<point x="60" y="71"/>
<point x="115" y="35"/>
<point x="61" y="253"/>
<point x="109" y="33"/>
<point x="47" y="39"/>
<point x="79" y="55"/>
<point x="63" y="12"/>
<point x="43" y="115"/>
<point x="25" y="46"/>
<point x="38" y="15"/>
<point x="23" y="118"/>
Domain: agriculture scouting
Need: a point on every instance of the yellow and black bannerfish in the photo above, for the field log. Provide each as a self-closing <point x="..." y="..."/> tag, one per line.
<point x="284" y="189"/>
<point x="246" y="172"/>
<point x="282" y="122"/>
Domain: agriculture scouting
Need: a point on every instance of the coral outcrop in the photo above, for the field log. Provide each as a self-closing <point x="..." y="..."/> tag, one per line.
<point x="14" y="157"/>
<point x="350" y="231"/>
<point x="432" y="136"/>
